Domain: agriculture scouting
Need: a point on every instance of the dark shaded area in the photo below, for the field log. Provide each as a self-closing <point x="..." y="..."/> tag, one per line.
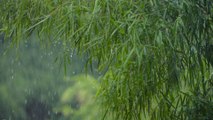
<point x="37" y="110"/>
<point x="76" y="102"/>
<point x="209" y="54"/>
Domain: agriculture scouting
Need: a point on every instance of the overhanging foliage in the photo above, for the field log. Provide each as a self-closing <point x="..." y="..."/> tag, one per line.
<point x="159" y="53"/>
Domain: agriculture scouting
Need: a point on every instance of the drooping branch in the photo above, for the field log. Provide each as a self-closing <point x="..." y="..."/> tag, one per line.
<point x="209" y="54"/>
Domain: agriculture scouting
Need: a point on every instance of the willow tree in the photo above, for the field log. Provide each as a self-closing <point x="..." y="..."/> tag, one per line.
<point x="158" y="53"/>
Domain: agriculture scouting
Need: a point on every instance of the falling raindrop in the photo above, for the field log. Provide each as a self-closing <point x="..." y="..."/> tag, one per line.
<point x="50" y="53"/>
<point x="99" y="73"/>
<point x="12" y="61"/>
<point x="35" y="82"/>
<point x="71" y="54"/>
<point x="112" y="52"/>
<point x="25" y="101"/>
<point x="49" y="112"/>
<point x="26" y="43"/>
<point x="51" y="68"/>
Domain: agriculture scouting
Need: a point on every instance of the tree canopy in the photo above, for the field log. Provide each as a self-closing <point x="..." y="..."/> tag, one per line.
<point x="158" y="53"/>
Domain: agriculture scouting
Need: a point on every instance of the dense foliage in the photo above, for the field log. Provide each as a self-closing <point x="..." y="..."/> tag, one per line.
<point x="158" y="53"/>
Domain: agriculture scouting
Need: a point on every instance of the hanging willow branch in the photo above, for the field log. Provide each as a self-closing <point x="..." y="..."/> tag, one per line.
<point x="159" y="53"/>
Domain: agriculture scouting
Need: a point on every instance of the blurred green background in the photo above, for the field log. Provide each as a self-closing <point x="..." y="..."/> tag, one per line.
<point x="34" y="85"/>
